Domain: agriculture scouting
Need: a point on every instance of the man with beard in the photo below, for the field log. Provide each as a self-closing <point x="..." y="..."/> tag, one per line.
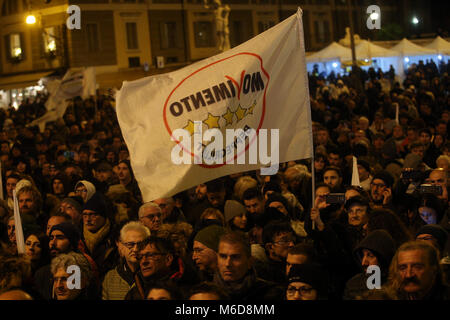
<point x="64" y="238"/>
<point x="126" y="178"/>
<point x="381" y="190"/>
<point x="30" y="203"/>
<point x="119" y="280"/>
<point x="415" y="273"/>
<point x="377" y="249"/>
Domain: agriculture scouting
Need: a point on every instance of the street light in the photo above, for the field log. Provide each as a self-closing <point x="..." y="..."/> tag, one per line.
<point x="415" y="20"/>
<point x="31" y="19"/>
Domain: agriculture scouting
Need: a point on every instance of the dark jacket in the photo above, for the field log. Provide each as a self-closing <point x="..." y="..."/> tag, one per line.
<point x="251" y="288"/>
<point x="271" y="270"/>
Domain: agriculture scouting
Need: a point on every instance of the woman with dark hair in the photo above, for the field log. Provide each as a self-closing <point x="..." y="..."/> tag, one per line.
<point x="320" y="163"/>
<point x="36" y="249"/>
<point x="386" y="219"/>
<point x="430" y="209"/>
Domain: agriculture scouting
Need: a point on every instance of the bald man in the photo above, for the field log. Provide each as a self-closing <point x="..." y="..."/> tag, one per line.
<point x="15" y="295"/>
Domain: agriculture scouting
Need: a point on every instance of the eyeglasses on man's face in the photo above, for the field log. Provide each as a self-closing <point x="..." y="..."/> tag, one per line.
<point x="303" y="290"/>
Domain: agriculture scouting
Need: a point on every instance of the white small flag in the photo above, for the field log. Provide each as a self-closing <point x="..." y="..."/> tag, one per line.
<point x="18" y="225"/>
<point x="355" y="174"/>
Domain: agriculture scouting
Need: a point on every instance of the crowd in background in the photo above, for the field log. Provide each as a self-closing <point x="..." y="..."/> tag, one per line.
<point x="245" y="236"/>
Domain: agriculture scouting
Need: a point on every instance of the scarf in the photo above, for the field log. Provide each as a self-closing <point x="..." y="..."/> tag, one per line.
<point x="236" y="289"/>
<point x="93" y="239"/>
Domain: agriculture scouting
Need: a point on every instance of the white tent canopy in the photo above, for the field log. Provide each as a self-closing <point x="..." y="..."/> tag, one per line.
<point x="334" y="51"/>
<point x="440" y="46"/>
<point x="367" y="50"/>
<point x="407" y="48"/>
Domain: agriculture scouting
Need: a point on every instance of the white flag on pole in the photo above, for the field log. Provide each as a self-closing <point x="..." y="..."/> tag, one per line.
<point x="20" y="241"/>
<point x="355" y="174"/>
<point x="261" y="85"/>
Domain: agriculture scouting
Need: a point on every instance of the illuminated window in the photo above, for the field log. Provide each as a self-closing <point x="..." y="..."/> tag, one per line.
<point x="15" y="46"/>
<point x="49" y="40"/>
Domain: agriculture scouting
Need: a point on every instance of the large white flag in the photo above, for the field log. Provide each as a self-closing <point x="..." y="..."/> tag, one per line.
<point x="261" y="84"/>
<point x="20" y="240"/>
<point x="74" y="83"/>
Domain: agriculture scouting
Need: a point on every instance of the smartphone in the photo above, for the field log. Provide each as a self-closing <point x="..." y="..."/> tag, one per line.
<point x="335" y="198"/>
<point x="430" y="189"/>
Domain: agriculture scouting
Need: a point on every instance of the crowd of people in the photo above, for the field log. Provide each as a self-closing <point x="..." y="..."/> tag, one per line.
<point x="89" y="235"/>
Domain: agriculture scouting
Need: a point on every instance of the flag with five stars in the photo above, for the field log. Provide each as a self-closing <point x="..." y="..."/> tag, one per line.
<point x="258" y="85"/>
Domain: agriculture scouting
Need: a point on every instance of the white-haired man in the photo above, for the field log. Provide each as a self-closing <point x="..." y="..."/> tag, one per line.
<point x="119" y="280"/>
<point x="150" y="215"/>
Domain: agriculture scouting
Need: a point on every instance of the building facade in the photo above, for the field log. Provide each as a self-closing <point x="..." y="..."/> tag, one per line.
<point x="129" y="39"/>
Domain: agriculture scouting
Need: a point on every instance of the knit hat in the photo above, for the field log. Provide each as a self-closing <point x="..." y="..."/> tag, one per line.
<point x="412" y="160"/>
<point x="70" y="231"/>
<point x="385" y="176"/>
<point x="309" y="273"/>
<point x="74" y="202"/>
<point x="98" y="204"/>
<point x="381" y="244"/>
<point x="232" y="209"/>
<point x="437" y="232"/>
<point x="210" y="236"/>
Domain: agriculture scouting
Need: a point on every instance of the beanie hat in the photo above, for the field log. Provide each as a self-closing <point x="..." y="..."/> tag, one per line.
<point x="76" y="204"/>
<point x="232" y="209"/>
<point x="436" y="231"/>
<point x="210" y="236"/>
<point x="70" y="231"/>
<point x="385" y="176"/>
<point x="309" y="273"/>
<point x="381" y="244"/>
<point x="98" y="204"/>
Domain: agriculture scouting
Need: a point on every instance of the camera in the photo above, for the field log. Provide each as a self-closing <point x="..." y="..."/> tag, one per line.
<point x="430" y="189"/>
<point x="332" y="198"/>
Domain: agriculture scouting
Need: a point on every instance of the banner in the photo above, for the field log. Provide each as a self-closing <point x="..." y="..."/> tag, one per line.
<point x="217" y="116"/>
<point x="20" y="240"/>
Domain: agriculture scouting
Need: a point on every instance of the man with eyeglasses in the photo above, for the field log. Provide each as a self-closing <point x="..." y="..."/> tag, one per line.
<point x="119" y="280"/>
<point x="381" y="189"/>
<point x="158" y="263"/>
<point x="438" y="177"/>
<point x="278" y="238"/>
<point x="150" y="215"/>
<point x="170" y="213"/>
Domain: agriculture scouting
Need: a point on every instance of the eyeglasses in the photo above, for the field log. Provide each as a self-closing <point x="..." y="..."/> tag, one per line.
<point x="149" y="256"/>
<point x="152" y="216"/>
<point x="131" y="245"/>
<point x="302" y="290"/>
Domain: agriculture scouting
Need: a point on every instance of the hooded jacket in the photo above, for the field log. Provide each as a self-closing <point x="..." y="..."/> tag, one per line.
<point x="381" y="244"/>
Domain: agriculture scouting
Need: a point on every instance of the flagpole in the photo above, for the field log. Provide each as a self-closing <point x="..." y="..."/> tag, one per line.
<point x="1" y="181"/>
<point x="313" y="184"/>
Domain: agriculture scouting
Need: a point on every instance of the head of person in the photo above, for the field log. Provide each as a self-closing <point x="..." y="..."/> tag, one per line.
<point x="253" y="201"/>
<point x="299" y="254"/>
<point x="73" y="207"/>
<point x="166" y="205"/>
<point x="357" y="211"/>
<point x="380" y="182"/>
<point x="233" y="257"/>
<point x="377" y="248"/>
<point x="132" y="234"/>
<point x="306" y="282"/>
<point x="434" y="234"/>
<point x="36" y="247"/>
<point x="277" y="201"/>
<point x="278" y="238"/>
<point x="386" y="219"/>
<point x="430" y="209"/>
<point x="155" y="257"/>
<point x="103" y="171"/>
<point x="11" y="182"/>
<point x="63" y="237"/>
<point x="124" y="172"/>
<point x="30" y="200"/>
<point x="163" y="291"/>
<point x="242" y="184"/>
<point x="235" y="215"/>
<point x="425" y="136"/>
<point x="443" y="162"/>
<point x="216" y="192"/>
<point x="55" y="219"/>
<point x="332" y="176"/>
<point x="322" y="190"/>
<point x="11" y="230"/>
<point x="59" y="185"/>
<point x="363" y="170"/>
<point x="334" y="158"/>
<point x="150" y="215"/>
<point x="61" y="268"/>
<point x="95" y="212"/>
<point x="417" y="148"/>
<point x="212" y="214"/>
<point x="415" y="270"/>
<point x="205" y="247"/>
<point x="85" y="190"/>
<point x="207" y="291"/>
<point x="438" y="177"/>
<point x="322" y="136"/>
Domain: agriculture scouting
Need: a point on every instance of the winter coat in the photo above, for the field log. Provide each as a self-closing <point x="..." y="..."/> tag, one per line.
<point x="117" y="282"/>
